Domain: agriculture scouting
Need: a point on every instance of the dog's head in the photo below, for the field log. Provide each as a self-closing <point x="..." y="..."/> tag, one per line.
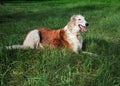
<point x="78" y="23"/>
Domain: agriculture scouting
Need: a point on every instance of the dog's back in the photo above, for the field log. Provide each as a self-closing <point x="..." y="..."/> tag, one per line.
<point x="55" y="38"/>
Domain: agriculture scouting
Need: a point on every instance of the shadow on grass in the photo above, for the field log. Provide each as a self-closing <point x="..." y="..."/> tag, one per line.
<point x="102" y="46"/>
<point x="58" y="12"/>
<point x="14" y="59"/>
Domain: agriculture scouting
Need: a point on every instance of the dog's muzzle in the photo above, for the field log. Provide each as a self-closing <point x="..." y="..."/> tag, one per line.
<point x="82" y="28"/>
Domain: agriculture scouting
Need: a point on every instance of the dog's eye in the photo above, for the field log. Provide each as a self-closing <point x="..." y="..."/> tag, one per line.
<point x="79" y="19"/>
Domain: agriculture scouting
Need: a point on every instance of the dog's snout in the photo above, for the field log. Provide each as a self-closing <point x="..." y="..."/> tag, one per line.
<point x="87" y="24"/>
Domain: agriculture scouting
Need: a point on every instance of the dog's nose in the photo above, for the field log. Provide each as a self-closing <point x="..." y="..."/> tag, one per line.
<point x="87" y="24"/>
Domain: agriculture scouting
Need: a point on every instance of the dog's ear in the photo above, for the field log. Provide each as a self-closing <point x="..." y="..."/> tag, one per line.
<point x="73" y="17"/>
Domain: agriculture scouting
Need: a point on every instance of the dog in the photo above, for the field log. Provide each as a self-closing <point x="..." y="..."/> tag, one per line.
<point x="67" y="37"/>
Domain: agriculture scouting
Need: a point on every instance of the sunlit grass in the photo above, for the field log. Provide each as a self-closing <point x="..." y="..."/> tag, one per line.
<point x="60" y="67"/>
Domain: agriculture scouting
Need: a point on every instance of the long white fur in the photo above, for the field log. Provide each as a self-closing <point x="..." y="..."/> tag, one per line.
<point x="73" y="40"/>
<point x="32" y="40"/>
<point x="16" y="47"/>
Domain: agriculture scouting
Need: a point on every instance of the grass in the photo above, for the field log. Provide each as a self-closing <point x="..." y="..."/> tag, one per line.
<point x="56" y="67"/>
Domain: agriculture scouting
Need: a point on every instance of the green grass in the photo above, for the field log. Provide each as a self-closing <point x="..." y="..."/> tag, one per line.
<point x="61" y="67"/>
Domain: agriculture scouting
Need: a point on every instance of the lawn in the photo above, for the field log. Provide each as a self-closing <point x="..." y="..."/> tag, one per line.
<point x="60" y="67"/>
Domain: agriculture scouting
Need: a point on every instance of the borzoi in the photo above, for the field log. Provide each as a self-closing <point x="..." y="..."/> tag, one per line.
<point x="67" y="36"/>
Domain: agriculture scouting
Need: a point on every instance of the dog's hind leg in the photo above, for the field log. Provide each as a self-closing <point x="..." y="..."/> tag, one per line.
<point x="32" y="39"/>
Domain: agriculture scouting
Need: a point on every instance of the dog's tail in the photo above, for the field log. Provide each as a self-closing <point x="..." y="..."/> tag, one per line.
<point x="89" y="53"/>
<point x="16" y="47"/>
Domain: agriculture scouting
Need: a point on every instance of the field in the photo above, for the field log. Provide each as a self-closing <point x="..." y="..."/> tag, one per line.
<point x="60" y="67"/>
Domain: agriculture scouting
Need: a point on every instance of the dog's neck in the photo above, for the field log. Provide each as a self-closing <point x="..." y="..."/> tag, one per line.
<point x="68" y="31"/>
<point x="73" y="39"/>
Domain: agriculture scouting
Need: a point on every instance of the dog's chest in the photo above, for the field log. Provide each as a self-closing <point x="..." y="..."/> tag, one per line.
<point x="75" y="41"/>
